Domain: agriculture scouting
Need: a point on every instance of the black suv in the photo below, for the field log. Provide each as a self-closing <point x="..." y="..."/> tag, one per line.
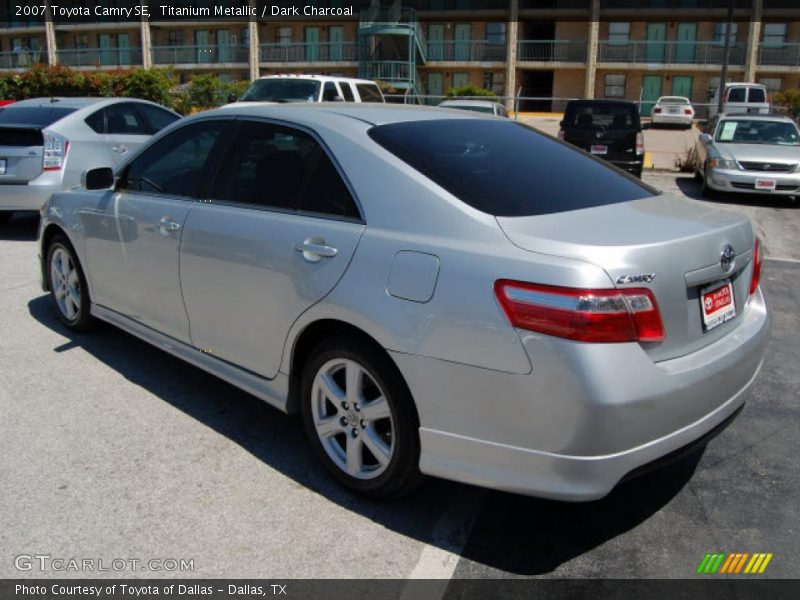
<point x="608" y="129"/>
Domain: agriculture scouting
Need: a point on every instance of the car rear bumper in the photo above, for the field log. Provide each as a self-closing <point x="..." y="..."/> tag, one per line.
<point x="633" y="167"/>
<point x="588" y="414"/>
<point x="744" y="182"/>
<point x="668" y="119"/>
<point x="21" y="197"/>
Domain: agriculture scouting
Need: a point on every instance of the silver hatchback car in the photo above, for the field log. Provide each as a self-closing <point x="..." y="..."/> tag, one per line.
<point x="47" y="143"/>
<point x="436" y="292"/>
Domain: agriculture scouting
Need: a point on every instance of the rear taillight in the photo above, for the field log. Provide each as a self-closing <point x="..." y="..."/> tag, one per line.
<point x="601" y="315"/>
<point x="55" y="151"/>
<point x="687" y="111"/>
<point x="561" y="134"/>
<point x="756" y="276"/>
<point x="657" y="111"/>
<point x="639" y="143"/>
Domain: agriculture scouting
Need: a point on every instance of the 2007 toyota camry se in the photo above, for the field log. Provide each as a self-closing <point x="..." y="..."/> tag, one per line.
<point x="436" y="292"/>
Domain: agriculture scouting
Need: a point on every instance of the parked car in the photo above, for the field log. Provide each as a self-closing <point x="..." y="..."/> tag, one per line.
<point x="47" y="143"/>
<point x="435" y="292"/>
<point x="749" y="98"/>
<point x="608" y="129"/>
<point x="673" y="110"/>
<point x="311" y="88"/>
<point x="750" y="154"/>
<point x="489" y="107"/>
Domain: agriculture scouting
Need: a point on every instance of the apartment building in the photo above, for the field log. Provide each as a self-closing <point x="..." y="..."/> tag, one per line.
<point x="545" y="51"/>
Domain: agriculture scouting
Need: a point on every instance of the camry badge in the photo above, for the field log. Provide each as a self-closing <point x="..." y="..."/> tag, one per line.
<point x="643" y="278"/>
<point x="727" y="258"/>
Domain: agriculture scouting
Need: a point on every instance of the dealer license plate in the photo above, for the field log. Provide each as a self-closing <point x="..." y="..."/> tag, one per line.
<point x="717" y="304"/>
<point x="765" y="184"/>
<point x="599" y="149"/>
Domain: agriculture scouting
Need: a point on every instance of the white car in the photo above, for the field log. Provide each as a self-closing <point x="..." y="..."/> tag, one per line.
<point x="673" y="110"/>
<point x="311" y="88"/>
<point x="749" y="98"/>
<point x="489" y="107"/>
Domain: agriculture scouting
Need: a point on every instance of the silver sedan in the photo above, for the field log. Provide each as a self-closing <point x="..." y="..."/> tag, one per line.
<point x="435" y="292"/>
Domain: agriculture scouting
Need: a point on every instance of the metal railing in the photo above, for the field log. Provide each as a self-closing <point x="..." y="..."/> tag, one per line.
<point x="390" y="71"/>
<point x="100" y="57"/>
<point x="554" y="4"/>
<point x="21" y="59"/>
<point x="393" y="16"/>
<point x="786" y="55"/>
<point x="334" y="52"/>
<point x="466" y="51"/>
<point x="673" y="4"/>
<point x="439" y="5"/>
<point x="668" y="53"/>
<point x="552" y="51"/>
<point x="175" y="55"/>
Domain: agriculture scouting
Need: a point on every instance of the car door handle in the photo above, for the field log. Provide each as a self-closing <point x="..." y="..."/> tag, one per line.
<point x="119" y="148"/>
<point x="166" y="225"/>
<point x="315" y="249"/>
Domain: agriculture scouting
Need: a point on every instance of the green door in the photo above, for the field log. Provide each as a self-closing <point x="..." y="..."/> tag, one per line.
<point x="124" y="49"/>
<point x="685" y="46"/>
<point x="336" y="42"/>
<point x="105" y="51"/>
<point x="460" y="80"/>
<point x="682" y="86"/>
<point x="202" y="42"/>
<point x="656" y="35"/>
<point x="312" y="44"/>
<point x="651" y="92"/>
<point x="224" y="50"/>
<point x="435" y="41"/>
<point x="435" y="87"/>
<point x="462" y="36"/>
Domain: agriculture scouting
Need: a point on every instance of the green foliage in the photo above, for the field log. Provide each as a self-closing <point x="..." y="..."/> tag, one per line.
<point x="470" y="90"/>
<point x="148" y="84"/>
<point x="790" y="99"/>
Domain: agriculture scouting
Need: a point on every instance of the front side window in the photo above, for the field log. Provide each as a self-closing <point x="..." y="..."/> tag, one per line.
<point x="276" y="167"/>
<point x="506" y="169"/>
<point x="124" y="119"/>
<point x="176" y="164"/>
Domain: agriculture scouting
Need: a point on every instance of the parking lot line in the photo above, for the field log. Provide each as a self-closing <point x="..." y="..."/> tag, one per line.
<point x="781" y="259"/>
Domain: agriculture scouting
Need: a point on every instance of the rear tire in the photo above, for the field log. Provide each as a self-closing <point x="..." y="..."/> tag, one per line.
<point x="360" y="418"/>
<point x="5" y="217"/>
<point x="68" y="290"/>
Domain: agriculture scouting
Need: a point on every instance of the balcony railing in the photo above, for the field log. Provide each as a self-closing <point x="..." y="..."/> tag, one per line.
<point x="179" y="55"/>
<point x="387" y="71"/>
<point x="438" y="5"/>
<point x="334" y="52"/>
<point x="21" y="59"/>
<point x="551" y="51"/>
<point x="100" y="57"/>
<point x="669" y="53"/>
<point x="554" y="4"/>
<point x="787" y="55"/>
<point x="466" y="51"/>
<point x="673" y="4"/>
<point x="393" y="16"/>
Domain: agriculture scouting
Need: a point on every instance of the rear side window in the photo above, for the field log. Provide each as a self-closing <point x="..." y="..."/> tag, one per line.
<point x="158" y="118"/>
<point x="736" y="94"/>
<point x="507" y="169"/>
<point x="97" y="121"/>
<point x="369" y="92"/>
<point x="33" y="116"/>
<point x="347" y="91"/>
<point x="595" y="116"/>
<point x="124" y="119"/>
<point x="329" y="92"/>
<point x="757" y="95"/>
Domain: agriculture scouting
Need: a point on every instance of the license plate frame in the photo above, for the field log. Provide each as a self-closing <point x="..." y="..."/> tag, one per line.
<point x="3" y="166"/>
<point x="599" y="149"/>
<point x="767" y="185"/>
<point x="717" y="304"/>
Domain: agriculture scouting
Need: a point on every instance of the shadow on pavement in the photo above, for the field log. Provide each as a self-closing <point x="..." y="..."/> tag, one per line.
<point x="513" y="533"/>
<point x="23" y="227"/>
<point x="693" y="189"/>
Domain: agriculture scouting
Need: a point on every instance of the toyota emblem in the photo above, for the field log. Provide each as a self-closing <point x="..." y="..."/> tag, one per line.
<point x="727" y="258"/>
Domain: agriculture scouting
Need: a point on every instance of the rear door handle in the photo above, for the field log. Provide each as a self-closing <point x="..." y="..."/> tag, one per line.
<point x="315" y="249"/>
<point x="166" y="225"/>
<point x="120" y="148"/>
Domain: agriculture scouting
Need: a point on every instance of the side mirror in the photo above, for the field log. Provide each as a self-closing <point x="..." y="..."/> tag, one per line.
<point x="705" y="139"/>
<point x="98" y="179"/>
<point x="232" y="97"/>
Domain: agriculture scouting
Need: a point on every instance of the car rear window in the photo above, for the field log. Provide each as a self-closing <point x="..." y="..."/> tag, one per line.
<point x="33" y="116"/>
<point x="591" y="116"/>
<point x="506" y="169"/>
<point x="757" y="95"/>
<point x="673" y="100"/>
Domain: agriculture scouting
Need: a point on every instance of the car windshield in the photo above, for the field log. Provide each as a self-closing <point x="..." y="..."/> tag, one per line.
<point x="33" y="116"/>
<point x="751" y="131"/>
<point x="282" y="90"/>
<point x="673" y="100"/>
<point x="505" y="168"/>
<point x="475" y="108"/>
<point x="595" y="116"/>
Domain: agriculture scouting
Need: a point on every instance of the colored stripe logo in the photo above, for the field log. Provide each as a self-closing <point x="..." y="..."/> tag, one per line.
<point x="734" y="563"/>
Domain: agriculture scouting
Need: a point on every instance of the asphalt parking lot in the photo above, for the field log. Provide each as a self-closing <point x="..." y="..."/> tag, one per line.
<point x="110" y="448"/>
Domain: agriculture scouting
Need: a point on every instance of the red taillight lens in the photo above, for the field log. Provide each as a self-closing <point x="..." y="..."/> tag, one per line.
<point x="657" y="111"/>
<point x="561" y="134"/>
<point x="607" y="315"/>
<point x="54" y="152"/>
<point x="687" y="111"/>
<point x="756" y="277"/>
<point x="639" y="143"/>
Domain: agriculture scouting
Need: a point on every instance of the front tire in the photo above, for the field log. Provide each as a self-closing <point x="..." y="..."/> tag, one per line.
<point x="360" y="418"/>
<point x="708" y="192"/>
<point x="68" y="290"/>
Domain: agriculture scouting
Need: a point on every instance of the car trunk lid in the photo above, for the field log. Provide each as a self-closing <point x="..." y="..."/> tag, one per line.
<point x="677" y="241"/>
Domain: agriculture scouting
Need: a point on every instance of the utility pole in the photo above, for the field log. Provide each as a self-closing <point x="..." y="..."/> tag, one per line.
<point x="726" y="57"/>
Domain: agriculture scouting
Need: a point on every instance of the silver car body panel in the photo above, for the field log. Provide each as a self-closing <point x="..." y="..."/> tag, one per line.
<point x="498" y="407"/>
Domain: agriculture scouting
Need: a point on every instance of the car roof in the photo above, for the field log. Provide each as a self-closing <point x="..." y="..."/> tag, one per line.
<point x="75" y="103"/>
<point x="455" y="102"/>
<point x="322" y="78"/>
<point x="725" y="116"/>
<point x="330" y="114"/>
<point x="608" y="102"/>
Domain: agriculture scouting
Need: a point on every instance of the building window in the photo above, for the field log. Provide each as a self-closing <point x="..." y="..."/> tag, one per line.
<point x="175" y="38"/>
<point x="496" y="33"/>
<point x="775" y="34"/>
<point x="244" y="37"/>
<point x="619" y="33"/>
<point x="494" y="82"/>
<point x="720" y="30"/>
<point x="615" y="86"/>
<point x="283" y="36"/>
<point x="773" y="84"/>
